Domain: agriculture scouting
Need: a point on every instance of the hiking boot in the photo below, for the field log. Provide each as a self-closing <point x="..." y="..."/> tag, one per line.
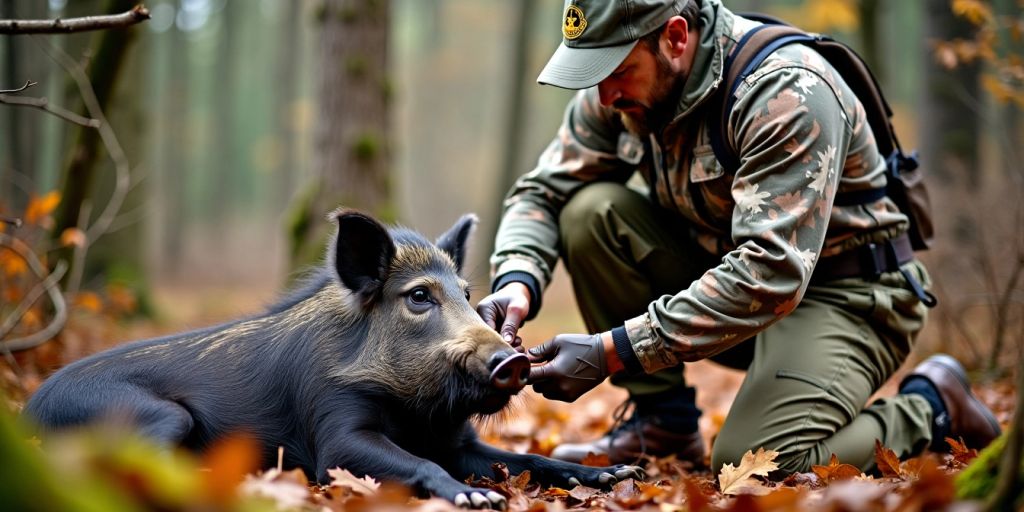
<point x="630" y="440"/>
<point x="963" y="415"/>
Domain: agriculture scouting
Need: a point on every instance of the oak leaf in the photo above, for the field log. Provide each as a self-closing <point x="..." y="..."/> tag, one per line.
<point x="287" y="489"/>
<point x="365" y="486"/>
<point x="835" y="471"/>
<point x="961" y="453"/>
<point x="739" y="480"/>
<point x="887" y="461"/>
<point x="696" y="499"/>
<point x="596" y="460"/>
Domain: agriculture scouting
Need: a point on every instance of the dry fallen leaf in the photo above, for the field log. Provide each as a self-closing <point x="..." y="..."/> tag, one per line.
<point x="365" y="486"/>
<point x="41" y="207"/>
<point x="961" y="453"/>
<point x="835" y="471"/>
<point x="88" y="301"/>
<point x="287" y="489"/>
<point x="739" y="480"/>
<point x="887" y="461"/>
<point x="596" y="460"/>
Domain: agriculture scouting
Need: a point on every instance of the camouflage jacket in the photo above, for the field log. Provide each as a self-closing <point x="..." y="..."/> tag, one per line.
<point x="801" y="136"/>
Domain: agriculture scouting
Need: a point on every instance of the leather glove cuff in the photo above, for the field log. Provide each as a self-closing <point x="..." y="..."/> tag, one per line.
<point x="517" y="276"/>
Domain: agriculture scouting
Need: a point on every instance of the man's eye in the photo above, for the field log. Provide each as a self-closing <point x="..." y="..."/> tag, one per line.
<point x="419" y="296"/>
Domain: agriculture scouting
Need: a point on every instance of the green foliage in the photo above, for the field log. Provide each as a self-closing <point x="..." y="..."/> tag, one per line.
<point x="320" y="12"/>
<point x="356" y="66"/>
<point x="366" y="147"/>
<point x="348" y="15"/>
<point x="978" y="481"/>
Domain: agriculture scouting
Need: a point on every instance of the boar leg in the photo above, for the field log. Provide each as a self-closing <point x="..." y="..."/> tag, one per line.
<point x="477" y="457"/>
<point x="371" y="453"/>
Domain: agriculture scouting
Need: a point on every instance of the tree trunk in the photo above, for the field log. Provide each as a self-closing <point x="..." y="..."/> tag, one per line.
<point x="172" y="149"/>
<point x="869" y="38"/>
<point x="118" y="258"/>
<point x="351" y="134"/>
<point x="223" y="168"/>
<point x="518" y="75"/>
<point x="950" y="99"/>
<point x="110" y="55"/>
<point x="23" y="62"/>
<point x="287" y="81"/>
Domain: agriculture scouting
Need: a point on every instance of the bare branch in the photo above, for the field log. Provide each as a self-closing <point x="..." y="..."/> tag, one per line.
<point x="28" y="83"/>
<point x="11" y="221"/>
<point x="58" y="26"/>
<point x="122" y="168"/>
<point x="44" y="105"/>
<point x="48" y="285"/>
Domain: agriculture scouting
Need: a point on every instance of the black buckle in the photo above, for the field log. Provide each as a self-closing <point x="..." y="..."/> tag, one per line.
<point x="879" y="259"/>
<point x="873" y="261"/>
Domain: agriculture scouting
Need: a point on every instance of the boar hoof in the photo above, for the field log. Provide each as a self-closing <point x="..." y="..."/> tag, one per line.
<point x="606" y="478"/>
<point x="478" y="500"/>
<point x="574" y="481"/>
<point x="497" y="501"/>
<point x="634" y="472"/>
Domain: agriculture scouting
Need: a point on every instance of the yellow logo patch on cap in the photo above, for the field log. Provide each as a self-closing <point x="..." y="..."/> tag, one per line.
<point x="574" y="22"/>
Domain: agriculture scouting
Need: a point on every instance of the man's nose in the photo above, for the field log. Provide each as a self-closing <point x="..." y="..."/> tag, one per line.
<point x="608" y="93"/>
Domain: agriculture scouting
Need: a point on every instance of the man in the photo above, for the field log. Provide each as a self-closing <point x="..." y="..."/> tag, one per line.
<point x="758" y="269"/>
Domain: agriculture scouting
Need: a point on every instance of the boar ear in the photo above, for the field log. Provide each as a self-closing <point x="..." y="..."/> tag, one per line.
<point x="362" y="253"/>
<point x="455" y="240"/>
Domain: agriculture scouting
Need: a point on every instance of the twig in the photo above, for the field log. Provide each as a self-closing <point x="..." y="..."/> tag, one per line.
<point x="48" y="285"/>
<point x="28" y="83"/>
<point x="122" y="168"/>
<point x="58" y="26"/>
<point x="11" y="221"/>
<point x="44" y="105"/>
<point x="78" y="255"/>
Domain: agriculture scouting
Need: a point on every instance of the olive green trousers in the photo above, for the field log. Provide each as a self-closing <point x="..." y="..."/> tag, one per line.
<point x="809" y="376"/>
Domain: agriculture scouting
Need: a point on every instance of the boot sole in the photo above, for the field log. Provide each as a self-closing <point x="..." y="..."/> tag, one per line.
<point x="954" y="367"/>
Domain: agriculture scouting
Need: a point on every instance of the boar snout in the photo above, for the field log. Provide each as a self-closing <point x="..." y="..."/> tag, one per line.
<point x="509" y="371"/>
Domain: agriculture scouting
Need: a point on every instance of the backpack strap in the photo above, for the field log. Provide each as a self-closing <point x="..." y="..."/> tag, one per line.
<point x="758" y="43"/>
<point x="749" y="53"/>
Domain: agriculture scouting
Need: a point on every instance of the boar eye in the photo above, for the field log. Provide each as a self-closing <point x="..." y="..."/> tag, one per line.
<point x="467" y="294"/>
<point x="419" y="296"/>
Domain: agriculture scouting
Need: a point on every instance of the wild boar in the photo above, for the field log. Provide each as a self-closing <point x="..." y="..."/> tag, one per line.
<point x="375" y="365"/>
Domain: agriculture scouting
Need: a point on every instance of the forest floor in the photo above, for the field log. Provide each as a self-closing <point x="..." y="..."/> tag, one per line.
<point x="536" y="425"/>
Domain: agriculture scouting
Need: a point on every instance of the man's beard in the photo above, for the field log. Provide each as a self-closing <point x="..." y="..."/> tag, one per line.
<point x="668" y="87"/>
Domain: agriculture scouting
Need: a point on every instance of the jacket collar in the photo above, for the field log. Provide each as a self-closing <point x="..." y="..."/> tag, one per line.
<point x="709" y="59"/>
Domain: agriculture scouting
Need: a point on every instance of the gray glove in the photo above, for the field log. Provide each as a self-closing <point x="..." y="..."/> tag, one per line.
<point x="575" y="364"/>
<point x="504" y="311"/>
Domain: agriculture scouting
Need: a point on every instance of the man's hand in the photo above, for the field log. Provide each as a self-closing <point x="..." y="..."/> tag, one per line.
<point x="505" y="309"/>
<point x="575" y="364"/>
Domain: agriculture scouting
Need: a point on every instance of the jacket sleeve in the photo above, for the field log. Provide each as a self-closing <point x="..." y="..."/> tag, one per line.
<point x="792" y="131"/>
<point x="586" y="149"/>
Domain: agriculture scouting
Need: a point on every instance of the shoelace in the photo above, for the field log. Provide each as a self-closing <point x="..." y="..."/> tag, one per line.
<point x="620" y="422"/>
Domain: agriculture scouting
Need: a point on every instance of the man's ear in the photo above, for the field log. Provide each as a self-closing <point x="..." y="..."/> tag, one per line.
<point x="362" y="254"/>
<point x="677" y="33"/>
<point x="455" y="242"/>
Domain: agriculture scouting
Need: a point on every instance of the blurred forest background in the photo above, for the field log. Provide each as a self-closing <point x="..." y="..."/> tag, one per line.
<point x="243" y="123"/>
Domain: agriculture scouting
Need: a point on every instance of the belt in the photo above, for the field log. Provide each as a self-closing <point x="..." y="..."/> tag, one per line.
<point x="867" y="261"/>
<point x="870" y="261"/>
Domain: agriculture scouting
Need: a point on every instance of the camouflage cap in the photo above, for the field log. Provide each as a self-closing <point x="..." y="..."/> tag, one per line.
<point x="597" y="35"/>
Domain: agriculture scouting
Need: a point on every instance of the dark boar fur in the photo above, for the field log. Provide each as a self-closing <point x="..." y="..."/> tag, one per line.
<point x="376" y="366"/>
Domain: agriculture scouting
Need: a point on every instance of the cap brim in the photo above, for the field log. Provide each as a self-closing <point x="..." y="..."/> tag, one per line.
<point x="581" y="68"/>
